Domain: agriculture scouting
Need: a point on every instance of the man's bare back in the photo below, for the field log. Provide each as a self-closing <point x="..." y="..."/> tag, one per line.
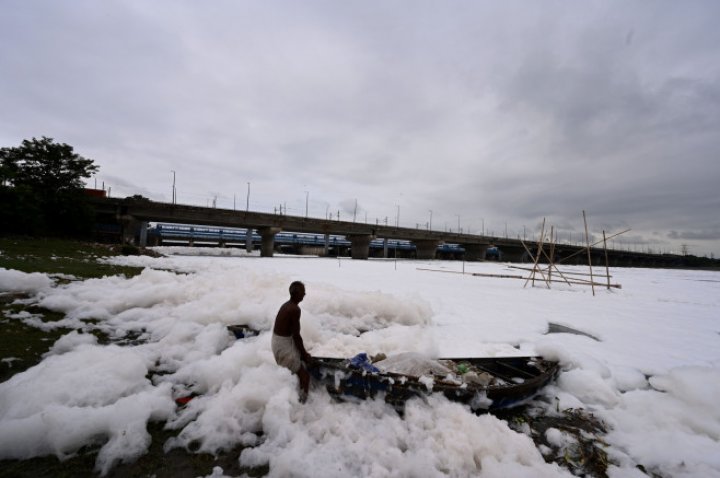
<point x="287" y="322"/>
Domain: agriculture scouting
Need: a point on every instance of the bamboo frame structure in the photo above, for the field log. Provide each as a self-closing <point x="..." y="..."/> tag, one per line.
<point x="537" y="260"/>
<point x="552" y="262"/>
<point x="512" y="276"/>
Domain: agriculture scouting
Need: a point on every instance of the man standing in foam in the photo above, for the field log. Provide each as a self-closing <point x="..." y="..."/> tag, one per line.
<point x="287" y="344"/>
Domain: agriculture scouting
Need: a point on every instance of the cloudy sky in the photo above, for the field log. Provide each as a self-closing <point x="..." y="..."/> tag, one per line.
<point x="493" y="116"/>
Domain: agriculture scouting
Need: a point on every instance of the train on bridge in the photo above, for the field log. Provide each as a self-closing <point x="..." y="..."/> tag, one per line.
<point x="285" y="242"/>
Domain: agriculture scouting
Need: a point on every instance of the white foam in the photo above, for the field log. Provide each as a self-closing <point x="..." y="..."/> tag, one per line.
<point x="172" y="319"/>
<point x="18" y="281"/>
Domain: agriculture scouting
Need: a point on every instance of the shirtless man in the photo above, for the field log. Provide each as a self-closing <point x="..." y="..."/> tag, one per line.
<point x="287" y="344"/>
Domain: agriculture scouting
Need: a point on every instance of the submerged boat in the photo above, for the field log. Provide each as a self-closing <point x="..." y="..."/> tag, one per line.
<point x="482" y="383"/>
<point x="242" y="331"/>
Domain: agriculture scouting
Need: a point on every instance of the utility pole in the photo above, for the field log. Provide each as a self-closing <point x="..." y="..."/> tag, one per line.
<point x="174" y="198"/>
<point x="397" y="217"/>
<point x="430" y="223"/>
<point x="247" y="203"/>
<point x="355" y="211"/>
<point x="307" y="196"/>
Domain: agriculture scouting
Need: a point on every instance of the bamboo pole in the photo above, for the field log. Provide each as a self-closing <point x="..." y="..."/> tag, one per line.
<point x="509" y="276"/>
<point x="587" y="241"/>
<point x="553" y="265"/>
<point x="537" y="259"/>
<point x="592" y="245"/>
<point x="533" y="258"/>
<point x="561" y="272"/>
<point x="479" y="274"/>
<point x="541" y="243"/>
<point x="607" y="262"/>
<point x="552" y="252"/>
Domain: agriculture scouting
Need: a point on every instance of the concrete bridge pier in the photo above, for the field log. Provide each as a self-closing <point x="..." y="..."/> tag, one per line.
<point x="514" y="254"/>
<point x="475" y="252"/>
<point x="130" y="228"/>
<point x="426" y="249"/>
<point x="359" y="245"/>
<point x="143" y="234"/>
<point x="268" y="240"/>
<point x="248" y="240"/>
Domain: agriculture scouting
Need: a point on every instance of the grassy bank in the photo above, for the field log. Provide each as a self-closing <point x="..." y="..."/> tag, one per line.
<point x="22" y="346"/>
<point x="59" y="256"/>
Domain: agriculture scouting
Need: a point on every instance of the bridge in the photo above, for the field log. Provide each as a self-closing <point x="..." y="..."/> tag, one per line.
<point x="133" y="215"/>
<point x="294" y="243"/>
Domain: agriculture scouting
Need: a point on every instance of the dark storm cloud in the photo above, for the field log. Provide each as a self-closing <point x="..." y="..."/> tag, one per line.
<point x="484" y="114"/>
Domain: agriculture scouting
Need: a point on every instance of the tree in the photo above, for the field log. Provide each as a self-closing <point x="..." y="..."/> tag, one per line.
<point x="41" y="186"/>
<point x="43" y="165"/>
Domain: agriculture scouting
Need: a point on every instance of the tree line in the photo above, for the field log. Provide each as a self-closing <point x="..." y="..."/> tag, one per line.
<point x="41" y="190"/>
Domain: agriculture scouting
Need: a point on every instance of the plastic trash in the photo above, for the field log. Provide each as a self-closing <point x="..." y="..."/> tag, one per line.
<point x="362" y="362"/>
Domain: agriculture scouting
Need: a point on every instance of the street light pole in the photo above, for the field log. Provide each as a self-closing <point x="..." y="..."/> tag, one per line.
<point x="397" y="217"/>
<point x="458" y="229"/>
<point x="430" y="223"/>
<point x="173" y="188"/>
<point x="307" y="196"/>
<point x="247" y="203"/>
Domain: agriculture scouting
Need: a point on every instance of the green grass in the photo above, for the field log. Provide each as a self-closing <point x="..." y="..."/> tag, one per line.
<point x="21" y="343"/>
<point x="26" y="345"/>
<point x="60" y="256"/>
<point x="177" y="463"/>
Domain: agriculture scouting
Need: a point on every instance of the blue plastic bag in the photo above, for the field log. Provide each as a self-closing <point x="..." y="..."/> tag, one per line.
<point x="361" y="361"/>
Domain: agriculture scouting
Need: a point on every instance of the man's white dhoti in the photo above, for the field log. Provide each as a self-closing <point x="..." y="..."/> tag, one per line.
<point x="286" y="353"/>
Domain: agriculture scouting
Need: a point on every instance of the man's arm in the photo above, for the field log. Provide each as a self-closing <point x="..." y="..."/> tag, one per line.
<point x="297" y="338"/>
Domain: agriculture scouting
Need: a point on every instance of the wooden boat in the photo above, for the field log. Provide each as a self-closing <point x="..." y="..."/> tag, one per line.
<point x="497" y="382"/>
<point x="485" y="383"/>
